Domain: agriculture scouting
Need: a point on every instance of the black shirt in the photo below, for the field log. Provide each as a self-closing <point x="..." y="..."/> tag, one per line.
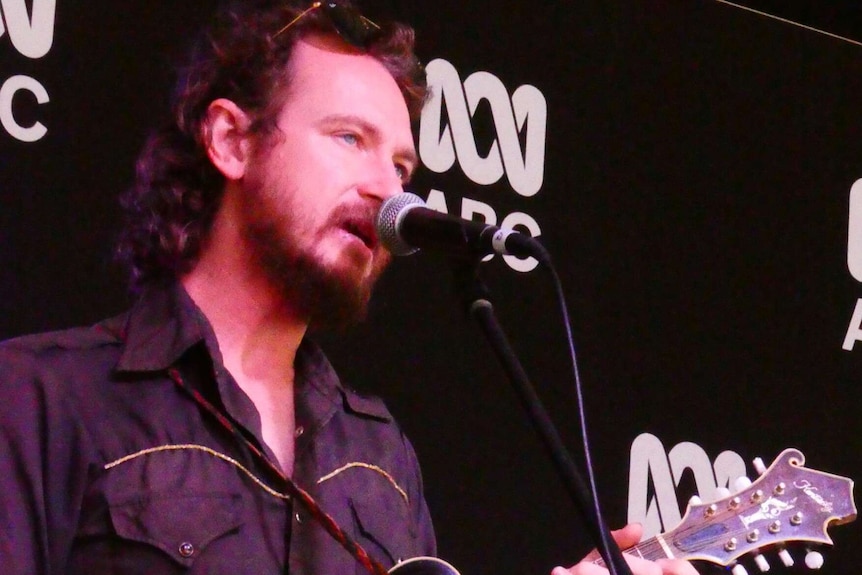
<point x="109" y="466"/>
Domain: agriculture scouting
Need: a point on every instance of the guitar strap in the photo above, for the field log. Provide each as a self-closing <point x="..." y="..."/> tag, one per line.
<point x="296" y="492"/>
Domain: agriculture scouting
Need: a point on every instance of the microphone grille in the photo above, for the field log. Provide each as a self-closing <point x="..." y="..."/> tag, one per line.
<point x="388" y="219"/>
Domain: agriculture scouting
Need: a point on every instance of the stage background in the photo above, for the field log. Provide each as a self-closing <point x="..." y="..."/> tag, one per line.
<point x="689" y="165"/>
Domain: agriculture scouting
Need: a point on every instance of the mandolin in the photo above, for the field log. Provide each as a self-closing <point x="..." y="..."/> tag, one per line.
<point x="423" y="566"/>
<point x="788" y="503"/>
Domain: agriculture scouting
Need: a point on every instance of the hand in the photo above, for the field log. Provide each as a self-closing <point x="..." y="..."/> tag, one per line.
<point x="625" y="538"/>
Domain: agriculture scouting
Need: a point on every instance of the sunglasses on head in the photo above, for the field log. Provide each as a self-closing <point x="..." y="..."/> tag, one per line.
<point x="355" y="28"/>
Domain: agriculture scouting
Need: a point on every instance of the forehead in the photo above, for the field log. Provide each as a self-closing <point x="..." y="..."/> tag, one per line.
<point x="327" y="76"/>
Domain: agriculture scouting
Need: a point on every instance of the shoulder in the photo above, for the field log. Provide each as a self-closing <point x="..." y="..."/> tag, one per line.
<point x="49" y="381"/>
<point x="366" y="405"/>
<point x="74" y="339"/>
<point x="64" y="352"/>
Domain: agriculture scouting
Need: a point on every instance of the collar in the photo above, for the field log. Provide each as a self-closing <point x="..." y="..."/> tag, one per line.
<point x="165" y="323"/>
<point x="319" y="387"/>
<point x="161" y="326"/>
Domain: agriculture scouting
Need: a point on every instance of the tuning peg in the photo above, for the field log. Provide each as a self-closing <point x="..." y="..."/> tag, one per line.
<point x="741" y="484"/>
<point x="761" y="563"/>
<point x="813" y="560"/>
<point x="786" y="558"/>
<point x="759" y="466"/>
<point x="738" y="569"/>
<point x="721" y="493"/>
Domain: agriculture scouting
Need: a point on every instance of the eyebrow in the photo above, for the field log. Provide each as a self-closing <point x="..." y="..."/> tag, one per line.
<point x="402" y="153"/>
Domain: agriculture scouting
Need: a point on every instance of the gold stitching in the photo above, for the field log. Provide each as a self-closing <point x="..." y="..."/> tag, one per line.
<point x="205" y="449"/>
<point x="382" y="472"/>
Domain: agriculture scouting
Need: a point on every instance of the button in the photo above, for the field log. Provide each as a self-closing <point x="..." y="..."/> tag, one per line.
<point x="299" y="431"/>
<point x="187" y="549"/>
<point x="298" y="518"/>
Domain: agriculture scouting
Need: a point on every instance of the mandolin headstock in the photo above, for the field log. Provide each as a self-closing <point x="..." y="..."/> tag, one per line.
<point x="788" y="503"/>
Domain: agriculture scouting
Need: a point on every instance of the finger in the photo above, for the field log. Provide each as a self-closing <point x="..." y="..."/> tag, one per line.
<point x="643" y="567"/>
<point x="676" y="567"/>
<point x="628" y="535"/>
<point x="582" y="568"/>
<point x="625" y="538"/>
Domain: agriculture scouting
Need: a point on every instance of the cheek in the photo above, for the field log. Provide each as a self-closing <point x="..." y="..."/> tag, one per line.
<point x="302" y="192"/>
<point x="294" y="203"/>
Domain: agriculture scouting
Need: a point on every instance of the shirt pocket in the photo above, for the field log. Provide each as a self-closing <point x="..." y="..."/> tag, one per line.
<point x="180" y="525"/>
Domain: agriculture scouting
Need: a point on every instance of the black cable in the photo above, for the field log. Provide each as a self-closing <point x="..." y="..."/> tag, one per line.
<point x="476" y="302"/>
<point x="608" y="548"/>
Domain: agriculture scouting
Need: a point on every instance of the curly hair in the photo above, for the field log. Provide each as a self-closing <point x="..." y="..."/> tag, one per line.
<point x="243" y="57"/>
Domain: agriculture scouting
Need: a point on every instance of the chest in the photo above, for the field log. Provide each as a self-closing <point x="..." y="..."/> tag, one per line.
<point x="276" y="409"/>
<point x="178" y="500"/>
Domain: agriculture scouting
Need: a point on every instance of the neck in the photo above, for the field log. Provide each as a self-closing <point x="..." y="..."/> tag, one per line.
<point x="257" y="338"/>
<point x="258" y="332"/>
<point x="257" y="328"/>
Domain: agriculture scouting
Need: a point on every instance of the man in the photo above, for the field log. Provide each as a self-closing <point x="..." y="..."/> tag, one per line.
<point x="168" y="439"/>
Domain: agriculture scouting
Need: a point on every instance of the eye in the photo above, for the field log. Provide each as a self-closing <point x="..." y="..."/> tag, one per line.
<point x="403" y="172"/>
<point x="349" y="138"/>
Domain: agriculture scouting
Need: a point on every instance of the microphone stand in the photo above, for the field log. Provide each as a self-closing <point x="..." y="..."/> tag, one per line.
<point x="475" y="298"/>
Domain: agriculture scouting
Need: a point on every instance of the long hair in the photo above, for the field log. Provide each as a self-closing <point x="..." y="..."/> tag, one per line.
<point x="171" y="207"/>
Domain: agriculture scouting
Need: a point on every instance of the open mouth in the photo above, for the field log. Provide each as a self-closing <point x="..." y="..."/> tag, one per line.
<point x="362" y="229"/>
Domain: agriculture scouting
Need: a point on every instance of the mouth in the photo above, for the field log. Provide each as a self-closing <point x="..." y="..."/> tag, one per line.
<point x="362" y="228"/>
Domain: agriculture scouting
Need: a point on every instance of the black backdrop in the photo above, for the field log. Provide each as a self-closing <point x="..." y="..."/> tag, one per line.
<point x="695" y="171"/>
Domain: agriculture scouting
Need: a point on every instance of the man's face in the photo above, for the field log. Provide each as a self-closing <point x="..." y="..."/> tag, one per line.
<point x="342" y="146"/>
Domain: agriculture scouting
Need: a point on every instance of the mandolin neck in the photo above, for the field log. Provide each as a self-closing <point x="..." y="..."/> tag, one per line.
<point x="650" y="549"/>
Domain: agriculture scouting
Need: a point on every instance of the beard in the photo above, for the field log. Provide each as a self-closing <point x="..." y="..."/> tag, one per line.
<point x="330" y="297"/>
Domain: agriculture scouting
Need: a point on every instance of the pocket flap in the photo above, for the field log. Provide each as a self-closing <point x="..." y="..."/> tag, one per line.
<point x="386" y="523"/>
<point x="180" y="525"/>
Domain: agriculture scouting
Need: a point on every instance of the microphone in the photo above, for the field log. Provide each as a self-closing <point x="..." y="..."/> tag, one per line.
<point x="405" y="224"/>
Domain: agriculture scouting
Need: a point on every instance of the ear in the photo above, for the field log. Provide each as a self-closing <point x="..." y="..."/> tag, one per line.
<point x="226" y="138"/>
